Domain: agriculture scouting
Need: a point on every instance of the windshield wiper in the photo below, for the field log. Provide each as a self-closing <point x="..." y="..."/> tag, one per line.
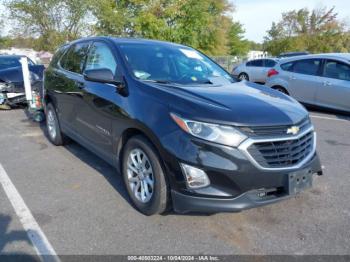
<point x="158" y="81"/>
<point x="207" y="81"/>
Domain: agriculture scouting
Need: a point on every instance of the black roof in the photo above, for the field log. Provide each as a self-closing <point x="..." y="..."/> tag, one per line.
<point x="128" y="40"/>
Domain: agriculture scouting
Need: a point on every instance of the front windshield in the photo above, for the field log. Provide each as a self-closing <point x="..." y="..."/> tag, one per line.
<point x="8" y="62"/>
<point x="172" y="64"/>
<point x="12" y="61"/>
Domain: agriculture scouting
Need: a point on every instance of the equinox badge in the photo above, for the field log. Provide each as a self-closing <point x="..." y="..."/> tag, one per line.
<point x="293" y="130"/>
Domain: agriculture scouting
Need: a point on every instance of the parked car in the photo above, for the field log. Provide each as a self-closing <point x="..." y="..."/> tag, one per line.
<point x="178" y="127"/>
<point x="254" y="70"/>
<point x="320" y="80"/>
<point x="291" y="54"/>
<point x="11" y="80"/>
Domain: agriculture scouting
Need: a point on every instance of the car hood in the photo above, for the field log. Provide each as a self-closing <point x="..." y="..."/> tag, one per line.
<point x="241" y="104"/>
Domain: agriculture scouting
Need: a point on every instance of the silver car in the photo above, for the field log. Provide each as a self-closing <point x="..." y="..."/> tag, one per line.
<point x="321" y="80"/>
<point x="254" y="70"/>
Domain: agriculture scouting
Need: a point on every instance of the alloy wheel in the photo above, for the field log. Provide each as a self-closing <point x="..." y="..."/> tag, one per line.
<point x="140" y="175"/>
<point x="243" y="77"/>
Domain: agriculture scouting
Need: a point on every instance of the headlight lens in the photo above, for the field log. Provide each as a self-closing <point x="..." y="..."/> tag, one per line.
<point x="220" y="134"/>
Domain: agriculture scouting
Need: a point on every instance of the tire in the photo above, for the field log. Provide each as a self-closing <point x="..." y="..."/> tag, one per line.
<point x="138" y="178"/>
<point x="53" y="128"/>
<point x="281" y="89"/>
<point x="243" y="76"/>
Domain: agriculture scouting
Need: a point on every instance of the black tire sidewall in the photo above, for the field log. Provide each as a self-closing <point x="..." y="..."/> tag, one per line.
<point x="282" y="90"/>
<point x="159" y="200"/>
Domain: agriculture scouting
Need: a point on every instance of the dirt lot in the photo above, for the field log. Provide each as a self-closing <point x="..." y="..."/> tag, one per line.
<point x="81" y="206"/>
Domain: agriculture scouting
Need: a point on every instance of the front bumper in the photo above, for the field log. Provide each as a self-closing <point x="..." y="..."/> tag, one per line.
<point x="184" y="203"/>
<point x="235" y="180"/>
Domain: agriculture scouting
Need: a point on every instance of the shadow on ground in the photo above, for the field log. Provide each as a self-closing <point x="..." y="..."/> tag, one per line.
<point x="8" y="237"/>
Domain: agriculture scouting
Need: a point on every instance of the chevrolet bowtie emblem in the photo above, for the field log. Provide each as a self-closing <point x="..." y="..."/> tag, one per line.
<point x="293" y="130"/>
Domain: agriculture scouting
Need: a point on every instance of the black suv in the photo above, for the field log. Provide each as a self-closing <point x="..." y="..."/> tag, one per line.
<point x="181" y="131"/>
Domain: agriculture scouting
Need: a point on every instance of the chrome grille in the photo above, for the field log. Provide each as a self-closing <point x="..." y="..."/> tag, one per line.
<point x="282" y="153"/>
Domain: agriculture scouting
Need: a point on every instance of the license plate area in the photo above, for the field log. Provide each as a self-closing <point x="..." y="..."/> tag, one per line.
<point x="299" y="181"/>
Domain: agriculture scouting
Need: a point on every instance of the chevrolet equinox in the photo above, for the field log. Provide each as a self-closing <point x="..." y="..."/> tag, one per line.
<point x="179" y="129"/>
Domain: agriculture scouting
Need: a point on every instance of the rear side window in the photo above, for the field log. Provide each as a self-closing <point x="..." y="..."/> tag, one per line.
<point x="270" y="63"/>
<point x="337" y="70"/>
<point x="287" y="66"/>
<point x="74" y="59"/>
<point x="307" y="66"/>
<point x="60" y="51"/>
<point x="256" y="63"/>
<point x="100" y="56"/>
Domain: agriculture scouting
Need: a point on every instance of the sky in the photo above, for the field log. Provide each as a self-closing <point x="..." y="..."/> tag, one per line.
<point x="258" y="15"/>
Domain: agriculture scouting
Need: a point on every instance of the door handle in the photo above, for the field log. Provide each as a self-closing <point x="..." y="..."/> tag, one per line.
<point x="327" y="83"/>
<point x="292" y="77"/>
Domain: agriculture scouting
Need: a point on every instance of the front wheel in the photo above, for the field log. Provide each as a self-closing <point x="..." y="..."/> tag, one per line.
<point x="144" y="177"/>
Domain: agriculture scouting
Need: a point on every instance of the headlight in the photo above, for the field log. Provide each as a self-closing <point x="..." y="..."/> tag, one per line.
<point x="220" y="134"/>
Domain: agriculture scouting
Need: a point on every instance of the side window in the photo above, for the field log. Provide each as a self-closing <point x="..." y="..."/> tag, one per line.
<point x="338" y="70"/>
<point x="74" y="58"/>
<point x="270" y="63"/>
<point x="307" y="66"/>
<point x="287" y="66"/>
<point x="256" y="63"/>
<point x="100" y="56"/>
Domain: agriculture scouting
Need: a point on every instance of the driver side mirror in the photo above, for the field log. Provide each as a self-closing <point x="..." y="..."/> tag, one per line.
<point x="104" y="75"/>
<point x="101" y="75"/>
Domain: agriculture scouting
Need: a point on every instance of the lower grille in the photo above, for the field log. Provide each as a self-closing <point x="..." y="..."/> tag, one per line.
<point x="282" y="154"/>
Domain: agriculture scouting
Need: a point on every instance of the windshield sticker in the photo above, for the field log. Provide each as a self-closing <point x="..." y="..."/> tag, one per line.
<point x="141" y="74"/>
<point x="191" y="54"/>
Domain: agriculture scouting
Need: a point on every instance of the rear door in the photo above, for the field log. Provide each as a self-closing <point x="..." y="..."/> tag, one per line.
<point x="66" y="82"/>
<point x="335" y="89"/>
<point x="305" y="79"/>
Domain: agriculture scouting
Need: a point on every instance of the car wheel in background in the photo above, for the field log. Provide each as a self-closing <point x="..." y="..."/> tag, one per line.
<point x="243" y="76"/>
<point x="144" y="177"/>
<point x="281" y="89"/>
<point x="53" y="127"/>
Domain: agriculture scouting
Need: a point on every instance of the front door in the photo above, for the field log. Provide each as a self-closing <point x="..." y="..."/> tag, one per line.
<point x="335" y="89"/>
<point x="101" y="102"/>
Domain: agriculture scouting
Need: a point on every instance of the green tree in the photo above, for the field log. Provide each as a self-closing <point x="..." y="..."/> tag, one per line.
<point x="316" y="31"/>
<point x="202" y="24"/>
<point x="255" y="46"/>
<point x="237" y="44"/>
<point x="51" y="22"/>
